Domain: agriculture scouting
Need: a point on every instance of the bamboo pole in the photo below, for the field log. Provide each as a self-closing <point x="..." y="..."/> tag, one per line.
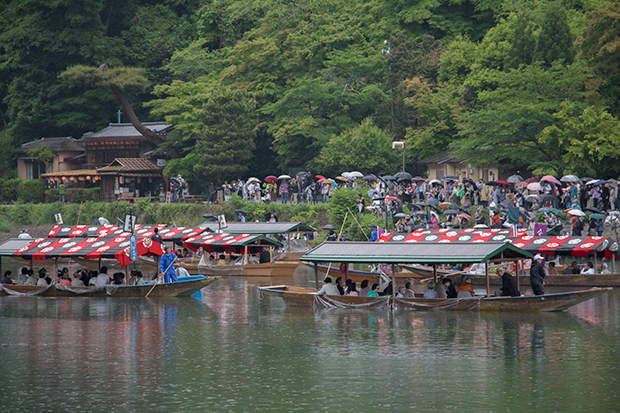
<point x="486" y="271"/>
<point x="358" y="224"/>
<point x="158" y="278"/>
<point x="79" y="213"/>
<point x="340" y="233"/>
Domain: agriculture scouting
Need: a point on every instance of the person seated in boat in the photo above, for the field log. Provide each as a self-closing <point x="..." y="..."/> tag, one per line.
<point x="139" y="280"/>
<point x="182" y="271"/>
<point x="118" y="278"/>
<point x="449" y="287"/>
<point x="347" y="284"/>
<point x="430" y="292"/>
<point x="186" y="253"/>
<point x="328" y="288"/>
<point x="552" y="270"/>
<point x="365" y="289"/>
<point x="340" y="285"/>
<point x="42" y="281"/>
<point x="264" y="257"/>
<point x="103" y="278"/>
<point x="604" y="269"/>
<point x="387" y="290"/>
<point x="7" y="278"/>
<point x="77" y="281"/>
<point x="30" y="279"/>
<point x="588" y="269"/>
<point x="374" y="291"/>
<point x="408" y="291"/>
<point x="401" y="292"/>
<point x="353" y="290"/>
<point x="166" y="268"/>
<point x="573" y="269"/>
<point x="23" y="275"/>
<point x="465" y="289"/>
<point x="222" y="260"/>
<point x="64" y="279"/>
<point x="92" y="279"/>
<point x="509" y="284"/>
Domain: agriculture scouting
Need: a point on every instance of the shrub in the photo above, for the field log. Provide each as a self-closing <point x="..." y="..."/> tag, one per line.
<point x="8" y="190"/>
<point x="31" y="191"/>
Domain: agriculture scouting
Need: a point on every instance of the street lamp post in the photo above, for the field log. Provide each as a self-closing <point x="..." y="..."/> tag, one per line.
<point x="400" y="145"/>
<point x="387" y="52"/>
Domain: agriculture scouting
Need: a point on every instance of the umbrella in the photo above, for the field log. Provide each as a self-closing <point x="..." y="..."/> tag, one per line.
<point x="521" y="184"/>
<point x="210" y="216"/>
<point x="400" y="215"/>
<point x="531" y="198"/>
<point x="464" y="216"/>
<point x="593" y="209"/>
<point x="346" y="175"/>
<point x="600" y="182"/>
<point x="326" y="181"/>
<point x="557" y="212"/>
<point x="373" y="193"/>
<point x="268" y="215"/>
<point x="451" y="212"/>
<point x="271" y="178"/>
<point x="240" y="212"/>
<point x="544" y="209"/>
<point x="421" y="204"/>
<point x="319" y="177"/>
<point x="491" y="183"/>
<point x="342" y="178"/>
<point x="403" y="175"/>
<point x="329" y="226"/>
<point x="420" y="213"/>
<point x="418" y="179"/>
<point x="592" y="182"/>
<point x="370" y="177"/>
<point x="356" y="174"/>
<point x="389" y="178"/>
<point x="284" y="177"/>
<point x="252" y="179"/>
<point x="469" y="180"/>
<point x="587" y="179"/>
<point x="569" y="178"/>
<point x="547" y="198"/>
<point x="534" y="186"/>
<point x="550" y="178"/>
<point x="435" y="181"/>
<point x="448" y="205"/>
<point x="302" y="174"/>
<point x="513" y="179"/>
<point x="597" y="216"/>
<point x="576" y="212"/>
<point x="530" y="180"/>
<point x="503" y="183"/>
<point x="480" y="226"/>
<point x="447" y="178"/>
<point x="392" y="198"/>
<point x="432" y="201"/>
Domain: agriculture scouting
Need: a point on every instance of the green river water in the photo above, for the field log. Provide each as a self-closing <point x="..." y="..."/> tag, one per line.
<point x="231" y="351"/>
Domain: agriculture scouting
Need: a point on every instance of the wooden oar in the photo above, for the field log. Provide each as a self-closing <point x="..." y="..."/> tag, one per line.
<point x="358" y="224"/>
<point x="158" y="278"/>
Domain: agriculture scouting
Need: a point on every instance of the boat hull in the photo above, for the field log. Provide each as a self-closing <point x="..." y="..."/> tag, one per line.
<point x="179" y="289"/>
<point x="360" y="275"/>
<point x="305" y="297"/>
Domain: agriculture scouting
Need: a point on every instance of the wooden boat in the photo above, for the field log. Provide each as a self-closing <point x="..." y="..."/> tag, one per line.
<point x="360" y="275"/>
<point x="184" y="288"/>
<point x="268" y="269"/>
<point x="306" y="297"/>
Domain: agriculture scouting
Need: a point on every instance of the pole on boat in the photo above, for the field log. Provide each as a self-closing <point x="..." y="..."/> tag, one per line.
<point x="613" y="263"/>
<point x="99" y="268"/>
<point x="270" y="255"/>
<point x="316" y="276"/>
<point x="346" y="271"/>
<point x="56" y="267"/>
<point x="595" y="263"/>
<point x="30" y="263"/>
<point x="288" y="242"/>
<point x="517" y="265"/>
<point x="435" y="273"/>
<point x="393" y="283"/>
<point x="486" y="272"/>
<point x="245" y="256"/>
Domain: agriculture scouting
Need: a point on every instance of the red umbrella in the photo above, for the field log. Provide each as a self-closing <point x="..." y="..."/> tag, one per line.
<point x="320" y="177"/>
<point x="503" y="182"/>
<point x="271" y="179"/>
<point x="530" y="180"/>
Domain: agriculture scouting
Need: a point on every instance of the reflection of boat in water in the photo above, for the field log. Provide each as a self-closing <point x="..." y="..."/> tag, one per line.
<point x="307" y="297"/>
<point x="184" y="288"/>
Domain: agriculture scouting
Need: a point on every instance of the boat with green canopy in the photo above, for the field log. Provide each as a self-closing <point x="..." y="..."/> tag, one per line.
<point x="432" y="254"/>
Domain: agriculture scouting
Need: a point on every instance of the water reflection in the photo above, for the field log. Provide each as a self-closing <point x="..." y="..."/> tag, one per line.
<point x="231" y="351"/>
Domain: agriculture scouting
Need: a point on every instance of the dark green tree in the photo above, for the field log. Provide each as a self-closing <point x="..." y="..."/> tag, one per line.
<point x="523" y="43"/>
<point x="555" y="41"/>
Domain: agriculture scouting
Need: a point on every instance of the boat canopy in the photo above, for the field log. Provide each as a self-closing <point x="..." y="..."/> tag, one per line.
<point x="261" y="227"/>
<point x="225" y="242"/>
<point x="177" y="234"/>
<point x="414" y="253"/>
<point x="71" y="231"/>
<point x="576" y="246"/>
<point x="14" y="244"/>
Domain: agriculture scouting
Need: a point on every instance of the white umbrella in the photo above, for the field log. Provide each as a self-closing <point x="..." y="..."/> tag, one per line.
<point x="435" y="181"/>
<point x="355" y="175"/>
<point x="576" y="212"/>
<point x="534" y="186"/>
<point x="480" y="226"/>
<point x="284" y="177"/>
<point x="253" y="180"/>
<point x="513" y="179"/>
<point x="346" y="175"/>
<point x="569" y="178"/>
<point x="592" y="182"/>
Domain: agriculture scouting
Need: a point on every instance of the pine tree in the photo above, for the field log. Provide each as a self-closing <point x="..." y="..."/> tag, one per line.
<point x="555" y="41"/>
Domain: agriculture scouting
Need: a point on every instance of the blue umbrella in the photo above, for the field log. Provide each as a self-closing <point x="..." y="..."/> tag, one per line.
<point x="240" y="212"/>
<point x="373" y="192"/>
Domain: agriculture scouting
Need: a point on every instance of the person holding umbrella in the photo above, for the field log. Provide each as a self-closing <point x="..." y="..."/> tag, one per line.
<point x="284" y="191"/>
<point x="361" y="203"/>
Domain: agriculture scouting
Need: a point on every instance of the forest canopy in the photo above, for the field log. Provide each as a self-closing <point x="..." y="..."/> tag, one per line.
<point x="257" y="87"/>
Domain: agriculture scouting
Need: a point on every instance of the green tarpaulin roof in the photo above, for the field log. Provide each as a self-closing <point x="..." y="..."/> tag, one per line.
<point x="412" y="253"/>
<point x="261" y="227"/>
<point x="9" y="247"/>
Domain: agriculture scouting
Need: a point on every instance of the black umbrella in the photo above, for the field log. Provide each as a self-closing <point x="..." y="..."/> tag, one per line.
<point x="593" y="209"/>
<point x="389" y="178"/>
<point x="268" y="216"/>
<point x="240" y="212"/>
<point x="329" y="226"/>
<point x="413" y="206"/>
<point x="447" y="178"/>
<point x="432" y="201"/>
<point x="418" y="179"/>
<point x="547" y="198"/>
<point x="492" y="183"/>
<point x="210" y="216"/>
<point x="370" y="177"/>
<point x="421" y="204"/>
<point x="451" y="212"/>
<point x="469" y="180"/>
<point x="403" y="175"/>
<point x="420" y="213"/>
<point x="400" y="215"/>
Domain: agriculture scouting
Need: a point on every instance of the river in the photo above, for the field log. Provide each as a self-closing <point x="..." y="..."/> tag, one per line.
<point x="230" y="350"/>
